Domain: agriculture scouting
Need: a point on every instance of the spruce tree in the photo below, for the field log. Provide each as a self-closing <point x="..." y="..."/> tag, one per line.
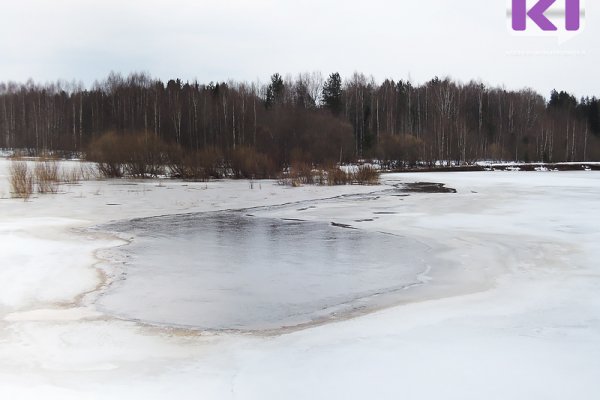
<point x="332" y="94"/>
<point x="275" y="91"/>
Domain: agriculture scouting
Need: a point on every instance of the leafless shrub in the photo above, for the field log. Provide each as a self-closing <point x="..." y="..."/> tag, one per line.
<point x="247" y="163"/>
<point x="399" y="149"/>
<point x="21" y="179"/>
<point x="321" y="177"/>
<point x="335" y="177"/>
<point x="176" y="162"/>
<point x="196" y="165"/>
<point x="303" y="173"/>
<point x="300" y="173"/>
<point x="105" y="151"/>
<point x="47" y="176"/>
<point x="366" y="175"/>
<point x="144" y="155"/>
<point x="332" y="176"/>
<point x="139" y="156"/>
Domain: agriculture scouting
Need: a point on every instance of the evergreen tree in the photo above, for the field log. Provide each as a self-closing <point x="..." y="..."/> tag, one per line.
<point x="593" y="114"/>
<point x="562" y="100"/>
<point x="332" y="93"/>
<point x="275" y="91"/>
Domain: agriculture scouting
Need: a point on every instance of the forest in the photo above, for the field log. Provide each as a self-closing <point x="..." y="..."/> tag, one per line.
<point x="309" y="118"/>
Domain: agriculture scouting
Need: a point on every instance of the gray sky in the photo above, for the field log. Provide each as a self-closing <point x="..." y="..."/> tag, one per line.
<point x="250" y="39"/>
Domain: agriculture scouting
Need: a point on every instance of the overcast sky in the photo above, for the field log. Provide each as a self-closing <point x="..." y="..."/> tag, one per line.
<point x="250" y="39"/>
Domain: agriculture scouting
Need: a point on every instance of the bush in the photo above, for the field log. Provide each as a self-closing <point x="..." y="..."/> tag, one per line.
<point x="196" y="165"/>
<point x="247" y="163"/>
<point x="21" y="179"/>
<point x="335" y="177"/>
<point x="399" y="148"/>
<point x="139" y="156"/>
<point x="302" y="174"/>
<point x="144" y="156"/>
<point x="47" y="176"/>
<point x="105" y="151"/>
<point x="366" y="175"/>
<point x="332" y="176"/>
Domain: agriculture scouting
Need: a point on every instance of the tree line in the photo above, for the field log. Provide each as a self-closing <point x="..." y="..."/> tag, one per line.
<point x="308" y="118"/>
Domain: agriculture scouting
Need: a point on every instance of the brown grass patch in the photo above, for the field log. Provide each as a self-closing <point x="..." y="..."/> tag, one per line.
<point x="366" y="175"/>
<point x="47" y="176"/>
<point x="335" y="177"/>
<point x="21" y="179"/>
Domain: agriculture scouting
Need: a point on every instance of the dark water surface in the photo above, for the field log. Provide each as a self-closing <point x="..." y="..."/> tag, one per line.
<point x="229" y="271"/>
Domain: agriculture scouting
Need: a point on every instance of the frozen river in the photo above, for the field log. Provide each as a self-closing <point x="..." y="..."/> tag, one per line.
<point x="232" y="271"/>
<point x="511" y="310"/>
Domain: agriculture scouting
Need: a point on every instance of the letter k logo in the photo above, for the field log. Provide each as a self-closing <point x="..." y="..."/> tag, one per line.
<point x="538" y="15"/>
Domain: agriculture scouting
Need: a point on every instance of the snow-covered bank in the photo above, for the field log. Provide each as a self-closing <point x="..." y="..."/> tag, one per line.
<point x="532" y="333"/>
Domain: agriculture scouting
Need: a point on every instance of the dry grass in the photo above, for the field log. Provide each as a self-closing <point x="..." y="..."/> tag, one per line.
<point x="47" y="176"/>
<point x="336" y="176"/>
<point x="303" y="174"/>
<point x="70" y="177"/>
<point x="43" y="176"/>
<point x="321" y="177"/>
<point x="84" y="172"/>
<point x="300" y="175"/>
<point x="366" y="175"/>
<point x="21" y="179"/>
<point x="88" y="172"/>
<point x="297" y="175"/>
